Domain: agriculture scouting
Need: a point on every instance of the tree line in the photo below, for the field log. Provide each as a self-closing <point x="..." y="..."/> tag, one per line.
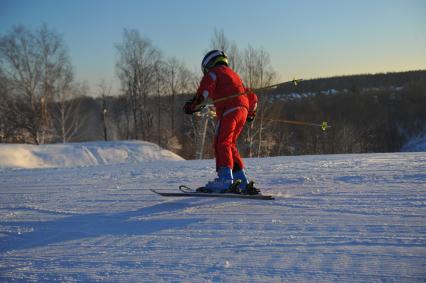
<point x="41" y="102"/>
<point x="364" y="118"/>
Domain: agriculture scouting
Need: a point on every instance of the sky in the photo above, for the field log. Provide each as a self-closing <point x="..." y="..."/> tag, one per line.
<point x="304" y="38"/>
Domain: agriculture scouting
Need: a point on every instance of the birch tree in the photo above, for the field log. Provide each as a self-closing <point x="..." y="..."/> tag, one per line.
<point x="35" y="65"/>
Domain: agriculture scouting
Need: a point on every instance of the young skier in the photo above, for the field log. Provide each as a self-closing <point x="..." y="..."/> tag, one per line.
<point x="234" y="104"/>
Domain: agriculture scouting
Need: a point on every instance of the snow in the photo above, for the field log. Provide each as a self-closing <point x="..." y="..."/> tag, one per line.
<point x="336" y="218"/>
<point x="80" y="154"/>
<point x="329" y="92"/>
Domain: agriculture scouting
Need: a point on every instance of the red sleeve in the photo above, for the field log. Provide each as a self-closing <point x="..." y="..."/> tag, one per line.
<point x="206" y="88"/>
<point x="252" y="97"/>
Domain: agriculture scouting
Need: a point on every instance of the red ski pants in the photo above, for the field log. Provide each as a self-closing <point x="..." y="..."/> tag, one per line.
<point x="228" y="129"/>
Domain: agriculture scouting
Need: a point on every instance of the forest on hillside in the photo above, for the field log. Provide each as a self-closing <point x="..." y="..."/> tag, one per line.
<point x="41" y="102"/>
<point x="368" y="116"/>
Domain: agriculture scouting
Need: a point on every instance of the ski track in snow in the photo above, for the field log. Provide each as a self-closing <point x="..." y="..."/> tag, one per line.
<point x="336" y="218"/>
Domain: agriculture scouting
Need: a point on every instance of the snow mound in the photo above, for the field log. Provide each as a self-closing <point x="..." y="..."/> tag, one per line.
<point x="81" y="154"/>
<point x="416" y="144"/>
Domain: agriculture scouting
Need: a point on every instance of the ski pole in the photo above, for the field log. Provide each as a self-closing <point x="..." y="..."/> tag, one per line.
<point x="294" y="81"/>
<point x="324" y="125"/>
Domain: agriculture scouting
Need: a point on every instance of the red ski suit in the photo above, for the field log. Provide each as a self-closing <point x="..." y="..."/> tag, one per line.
<point x="233" y="103"/>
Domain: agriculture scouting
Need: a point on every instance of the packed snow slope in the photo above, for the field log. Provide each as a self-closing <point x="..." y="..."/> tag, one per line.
<point x="80" y="154"/>
<point x="336" y="218"/>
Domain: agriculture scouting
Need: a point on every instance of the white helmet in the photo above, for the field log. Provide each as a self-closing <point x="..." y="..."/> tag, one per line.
<point x="212" y="59"/>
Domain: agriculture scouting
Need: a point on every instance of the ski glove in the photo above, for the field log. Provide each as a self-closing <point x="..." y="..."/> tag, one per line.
<point x="250" y="119"/>
<point x="191" y="106"/>
<point x="251" y="116"/>
<point x="187" y="108"/>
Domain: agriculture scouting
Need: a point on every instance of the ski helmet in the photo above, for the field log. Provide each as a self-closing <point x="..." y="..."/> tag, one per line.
<point x="212" y="59"/>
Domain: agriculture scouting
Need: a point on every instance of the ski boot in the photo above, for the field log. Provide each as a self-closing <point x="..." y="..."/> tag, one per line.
<point x="251" y="189"/>
<point x="246" y="187"/>
<point x="222" y="184"/>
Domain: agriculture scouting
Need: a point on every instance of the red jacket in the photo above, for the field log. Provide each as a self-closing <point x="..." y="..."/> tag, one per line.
<point x="222" y="82"/>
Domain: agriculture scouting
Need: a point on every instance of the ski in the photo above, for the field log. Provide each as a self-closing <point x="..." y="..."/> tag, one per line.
<point x="217" y="195"/>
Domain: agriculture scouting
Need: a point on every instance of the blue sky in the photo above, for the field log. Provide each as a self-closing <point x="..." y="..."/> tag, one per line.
<point x="305" y="38"/>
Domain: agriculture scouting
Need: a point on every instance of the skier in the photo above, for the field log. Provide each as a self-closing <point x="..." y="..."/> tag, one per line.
<point x="235" y="104"/>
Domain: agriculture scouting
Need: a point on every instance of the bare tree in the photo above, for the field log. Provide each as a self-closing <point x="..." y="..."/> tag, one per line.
<point x="160" y="82"/>
<point x="35" y="65"/>
<point x="221" y="42"/>
<point x="67" y="117"/>
<point x="257" y="73"/>
<point x="7" y="126"/>
<point x="179" y="80"/>
<point x="172" y="69"/>
<point x="187" y="80"/>
<point x="137" y="58"/>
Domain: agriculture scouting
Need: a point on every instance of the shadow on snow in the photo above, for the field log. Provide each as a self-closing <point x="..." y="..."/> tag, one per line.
<point x="76" y="227"/>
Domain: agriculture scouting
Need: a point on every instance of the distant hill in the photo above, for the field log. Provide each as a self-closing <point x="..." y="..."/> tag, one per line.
<point x="352" y="82"/>
<point x="368" y="113"/>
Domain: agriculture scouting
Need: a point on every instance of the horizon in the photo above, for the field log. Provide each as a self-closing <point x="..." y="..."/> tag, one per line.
<point x="306" y="40"/>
